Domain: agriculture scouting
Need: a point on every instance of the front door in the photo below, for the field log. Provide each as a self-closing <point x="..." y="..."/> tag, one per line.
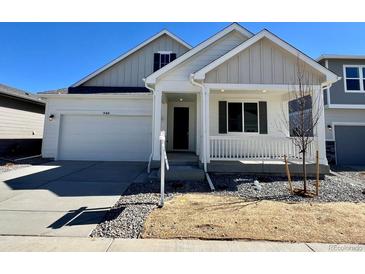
<point x="181" y="128"/>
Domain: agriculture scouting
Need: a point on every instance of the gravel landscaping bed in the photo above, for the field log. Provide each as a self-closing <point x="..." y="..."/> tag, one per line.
<point x="12" y="164"/>
<point x="6" y="166"/>
<point x="126" y="218"/>
<point x="332" y="189"/>
<point x="354" y="173"/>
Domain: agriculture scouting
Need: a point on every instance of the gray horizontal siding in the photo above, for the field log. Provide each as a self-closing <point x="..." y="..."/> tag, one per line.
<point x="131" y="70"/>
<point x="337" y="91"/>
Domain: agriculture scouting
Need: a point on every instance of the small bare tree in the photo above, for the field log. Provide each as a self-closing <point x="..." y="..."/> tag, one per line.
<point x="305" y="110"/>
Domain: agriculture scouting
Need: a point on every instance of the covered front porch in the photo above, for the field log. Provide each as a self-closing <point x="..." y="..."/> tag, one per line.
<point x="235" y="128"/>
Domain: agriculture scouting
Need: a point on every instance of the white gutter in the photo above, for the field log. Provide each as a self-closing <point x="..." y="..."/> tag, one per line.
<point x="328" y="84"/>
<point x="153" y="122"/>
<point x="203" y="119"/>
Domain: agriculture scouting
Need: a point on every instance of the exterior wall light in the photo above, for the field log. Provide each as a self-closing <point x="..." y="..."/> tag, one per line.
<point x="329" y="127"/>
<point x="51" y="117"/>
<point x="264" y="91"/>
<point x="222" y="90"/>
<point x="181" y="99"/>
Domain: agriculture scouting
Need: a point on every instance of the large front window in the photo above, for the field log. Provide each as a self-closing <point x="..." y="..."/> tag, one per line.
<point x="354" y="78"/>
<point x="300" y="117"/>
<point x="248" y="122"/>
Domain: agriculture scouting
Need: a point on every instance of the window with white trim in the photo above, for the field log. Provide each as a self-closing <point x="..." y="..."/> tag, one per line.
<point x="243" y="117"/>
<point x="354" y="78"/>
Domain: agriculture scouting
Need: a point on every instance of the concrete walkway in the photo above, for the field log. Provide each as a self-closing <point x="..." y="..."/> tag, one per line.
<point x="29" y="243"/>
<point x="62" y="198"/>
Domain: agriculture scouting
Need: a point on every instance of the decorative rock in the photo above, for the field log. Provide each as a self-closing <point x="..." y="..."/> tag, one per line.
<point x="257" y="185"/>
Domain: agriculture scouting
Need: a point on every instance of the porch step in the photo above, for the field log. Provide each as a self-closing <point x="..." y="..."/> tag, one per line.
<point x="183" y="163"/>
<point x="180" y="173"/>
<point x="182" y="159"/>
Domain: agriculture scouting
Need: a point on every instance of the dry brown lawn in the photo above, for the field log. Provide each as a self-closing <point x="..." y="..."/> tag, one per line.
<point x="221" y="217"/>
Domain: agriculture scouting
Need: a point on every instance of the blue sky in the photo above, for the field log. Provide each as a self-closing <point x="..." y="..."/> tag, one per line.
<point x="43" y="56"/>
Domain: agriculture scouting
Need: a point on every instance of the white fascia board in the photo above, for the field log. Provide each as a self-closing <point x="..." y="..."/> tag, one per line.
<point x="344" y="106"/>
<point x="151" y="79"/>
<point x="331" y="77"/>
<point x="97" y="96"/>
<point x="120" y="58"/>
<point x="339" y="56"/>
<point x="258" y="87"/>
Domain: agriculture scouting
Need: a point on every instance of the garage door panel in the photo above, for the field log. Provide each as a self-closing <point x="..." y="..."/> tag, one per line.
<point x="350" y="145"/>
<point x="105" y="138"/>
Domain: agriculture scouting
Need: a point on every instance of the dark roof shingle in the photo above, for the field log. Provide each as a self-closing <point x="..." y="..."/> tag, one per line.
<point x="18" y="93"/>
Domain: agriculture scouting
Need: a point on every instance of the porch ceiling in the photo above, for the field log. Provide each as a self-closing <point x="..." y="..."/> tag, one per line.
<point x="176" y="97"/>
<point x="249" y="92"/>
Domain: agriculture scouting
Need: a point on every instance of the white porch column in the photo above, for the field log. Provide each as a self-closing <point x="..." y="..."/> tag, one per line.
<point x="321" y="128"/>
<point x="206" y="134"/>
<point x="157" y="101"/>
<point x="204" y="122"/>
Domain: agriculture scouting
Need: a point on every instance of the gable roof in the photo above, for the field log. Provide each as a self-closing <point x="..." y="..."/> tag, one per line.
<point x="125" y="55"/>
<point x="234" y="26"/>
<point x="340" y="56"/>
<point x="20" y="94"/>
<point x="200" y="75"/>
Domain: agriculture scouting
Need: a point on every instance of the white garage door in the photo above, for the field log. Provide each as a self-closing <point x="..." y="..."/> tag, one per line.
<point x="105" y="138"/>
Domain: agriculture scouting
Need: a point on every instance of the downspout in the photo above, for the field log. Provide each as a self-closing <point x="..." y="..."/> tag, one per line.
<point x="327" y="85"/>
<point x="194" y="83"/>
<point x="153" y="122"/>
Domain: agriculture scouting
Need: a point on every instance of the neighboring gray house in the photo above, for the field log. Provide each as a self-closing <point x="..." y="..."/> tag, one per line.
<point x="21" y="122"/>
<point x="345" y="110"/>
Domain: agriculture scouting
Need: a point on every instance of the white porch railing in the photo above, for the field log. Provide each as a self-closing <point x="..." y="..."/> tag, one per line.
<point x="255" y="147"/>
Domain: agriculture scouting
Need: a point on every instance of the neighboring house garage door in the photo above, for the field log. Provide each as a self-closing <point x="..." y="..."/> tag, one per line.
<point x="350" y="145"/>
<point x="105" y="138"/>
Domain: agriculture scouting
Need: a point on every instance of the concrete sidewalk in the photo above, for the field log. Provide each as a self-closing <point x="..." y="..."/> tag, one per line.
<point x="30" y="243"/>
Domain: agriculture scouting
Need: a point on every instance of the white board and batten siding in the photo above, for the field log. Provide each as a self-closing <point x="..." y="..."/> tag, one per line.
<point x="179" y="76"/>
<point x="130" y="71"/>
<point x="262" y="63"/>
<point x="117" y="129"/>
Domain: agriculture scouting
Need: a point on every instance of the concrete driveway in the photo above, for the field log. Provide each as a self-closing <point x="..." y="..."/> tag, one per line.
<point x="63" y="198"/>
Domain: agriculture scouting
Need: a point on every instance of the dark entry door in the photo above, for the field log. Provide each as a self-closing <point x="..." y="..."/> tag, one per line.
<point x="181" y="128"/>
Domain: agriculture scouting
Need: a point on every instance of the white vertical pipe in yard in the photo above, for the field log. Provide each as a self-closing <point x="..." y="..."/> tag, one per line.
<point x="162" y="168"/>
<point x="321" y="127"/>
